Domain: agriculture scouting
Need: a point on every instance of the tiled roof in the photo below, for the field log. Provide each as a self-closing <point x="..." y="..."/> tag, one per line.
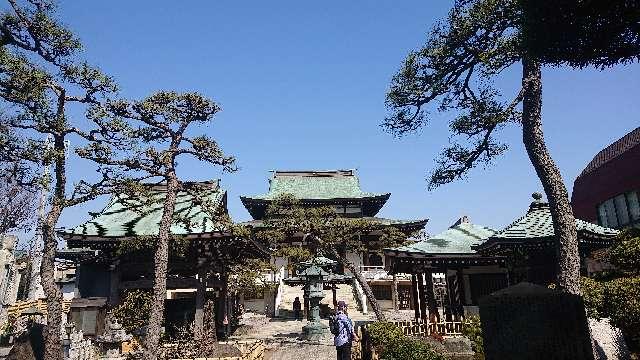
<point x="316" y="185"/>
<point x="381" y="221"/>
<point x="612" y="151"/>
<point x="457" y="239"/>
<point x="537" y="223"/>
<point x="127" y="219"/>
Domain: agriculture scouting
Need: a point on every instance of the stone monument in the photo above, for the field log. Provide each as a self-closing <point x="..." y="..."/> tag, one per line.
<point x="528" y="321"/>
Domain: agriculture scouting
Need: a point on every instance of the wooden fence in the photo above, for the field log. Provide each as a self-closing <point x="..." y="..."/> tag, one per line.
<point x="426" y="328"/>
<point x="19" y="307"/>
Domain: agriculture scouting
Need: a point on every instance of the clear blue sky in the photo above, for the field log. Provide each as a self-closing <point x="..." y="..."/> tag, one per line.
<point x="302" y="86"/>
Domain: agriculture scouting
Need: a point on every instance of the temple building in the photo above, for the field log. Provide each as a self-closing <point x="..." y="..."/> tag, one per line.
<point x="444" y="273"/>
<point x="607" y="191"/>
<point x="113" y="253"/>
<point x="476" y="261"/>
<point x="341" y="190"/>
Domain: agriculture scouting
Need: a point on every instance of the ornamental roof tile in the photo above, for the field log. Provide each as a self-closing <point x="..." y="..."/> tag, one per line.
<point x="457" y="239"/>
<point x="537" y="223"/>
<point x="316" y="185"/>
<point x="121" y="218"/>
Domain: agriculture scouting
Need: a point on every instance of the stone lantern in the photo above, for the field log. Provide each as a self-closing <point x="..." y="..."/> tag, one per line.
<point x="314" y="273"/>
<point x="112" y="339"/>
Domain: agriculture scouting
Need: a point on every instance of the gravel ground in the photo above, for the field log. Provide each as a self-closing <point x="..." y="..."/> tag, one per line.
<point x="609" y="341"/>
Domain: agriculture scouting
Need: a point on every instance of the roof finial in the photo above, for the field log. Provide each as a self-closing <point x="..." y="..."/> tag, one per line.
<point x="536" y="196"/>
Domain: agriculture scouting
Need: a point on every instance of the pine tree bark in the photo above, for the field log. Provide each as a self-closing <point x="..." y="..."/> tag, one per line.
<point x="568" y="258"/>
<point x="363" y="284"/>
<point x="53" y="344"/>
<point x="161" y="259"/>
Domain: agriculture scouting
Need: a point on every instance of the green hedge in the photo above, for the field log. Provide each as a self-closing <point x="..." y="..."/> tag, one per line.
<point x="619" y="300"/>
<point x="392" y="344"/>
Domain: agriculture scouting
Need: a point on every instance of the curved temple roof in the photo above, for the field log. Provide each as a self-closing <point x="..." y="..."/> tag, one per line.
<point x="537" y="224"/>
<point x="123" y="218"/>
<point x="316" y="187"/>
<point x="457" y="239"/>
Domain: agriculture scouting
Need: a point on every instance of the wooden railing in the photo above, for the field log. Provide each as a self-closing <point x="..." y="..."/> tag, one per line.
<point x="426" y="328"/>
<point x="40" y="305"/>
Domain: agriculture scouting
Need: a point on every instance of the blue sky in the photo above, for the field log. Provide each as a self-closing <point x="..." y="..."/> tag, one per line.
<point x="302" y="86"/>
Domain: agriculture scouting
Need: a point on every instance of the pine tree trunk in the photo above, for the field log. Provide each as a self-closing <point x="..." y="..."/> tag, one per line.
<point x="363" y="284"/>
<point x="53" y="341"/>
<point x="568" y="258"/>
<point x="161" y="259"/>
<point x="53" y="344"/>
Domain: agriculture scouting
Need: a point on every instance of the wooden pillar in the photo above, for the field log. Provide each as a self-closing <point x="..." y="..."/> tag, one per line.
<point x="414" y="295"/>
<point x="394" y="293"/>
<point x="422" y="296"/>
<point x="76" y="283"/>
<point x="114" y="285"/>
<point x="200" y="293"/>
<point x="333" y="293"/>
<point x="430" y="297"/>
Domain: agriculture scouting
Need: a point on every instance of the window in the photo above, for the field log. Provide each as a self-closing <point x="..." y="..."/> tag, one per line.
<point x="349" y="209"/>
<point x="634" y="206"/>
<point x="381" y="292"/>
<point x="619" y="211"/>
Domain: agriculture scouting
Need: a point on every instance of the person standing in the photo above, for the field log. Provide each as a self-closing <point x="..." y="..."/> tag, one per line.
<point x="342" y="329"/>
<point x="296" y="308"/>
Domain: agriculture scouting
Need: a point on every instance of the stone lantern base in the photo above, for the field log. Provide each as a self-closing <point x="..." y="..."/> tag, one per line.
<point x="314" y="331"/>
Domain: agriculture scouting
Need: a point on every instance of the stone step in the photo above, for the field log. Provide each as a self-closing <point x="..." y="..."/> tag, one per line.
<point x="344" y="292"/>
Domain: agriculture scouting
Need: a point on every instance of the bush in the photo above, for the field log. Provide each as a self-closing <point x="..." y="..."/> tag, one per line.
<point x="622" y="306"/>
<point x="133" y="312"/>
<point x="593" y="296"/>
<point x="392" y="344"/>
<point x="472" y="329"/>
<point x="616" y="299"/>
<point x="625" y="253"/>
<point x="384" y="333"/>
<point x="410" y="349"/>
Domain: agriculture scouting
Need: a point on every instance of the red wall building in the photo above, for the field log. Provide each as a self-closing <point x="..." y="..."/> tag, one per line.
<point x="607" y="192"/>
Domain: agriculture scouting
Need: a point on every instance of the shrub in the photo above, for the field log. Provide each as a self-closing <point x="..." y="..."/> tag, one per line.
<point x="384" y="333"/>
<point x="392" y="344"/>
<point x="622" y="306"/>
<point x="410" y="349"/>
<point x="133" y="312"/>
<point x="616" y="299"/>
<point x="472" y="329"/>
<point x="593" y="296"/>
<point x="625" y="253"/>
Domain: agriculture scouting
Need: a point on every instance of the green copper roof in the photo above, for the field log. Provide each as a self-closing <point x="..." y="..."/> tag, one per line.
<point x="457" y="239"/>
<point x="316" y="185"/>
<point x="537" y="223"/>
<point x="127" y="219"/>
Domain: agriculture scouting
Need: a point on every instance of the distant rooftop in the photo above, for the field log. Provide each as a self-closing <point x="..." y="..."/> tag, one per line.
<point x="317" y="187"/>
<point x="123" y="218"/>
<point x="612" y="151"/>
<point x="537" y="225"/>
<point x="457" y="239"/>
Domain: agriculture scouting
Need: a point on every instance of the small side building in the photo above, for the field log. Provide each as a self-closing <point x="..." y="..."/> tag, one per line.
<point x="113" y="253"/>
<point x="446" y="274"/>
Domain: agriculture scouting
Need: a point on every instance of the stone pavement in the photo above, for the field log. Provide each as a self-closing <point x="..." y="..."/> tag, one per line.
<point x="282" y="336"/>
